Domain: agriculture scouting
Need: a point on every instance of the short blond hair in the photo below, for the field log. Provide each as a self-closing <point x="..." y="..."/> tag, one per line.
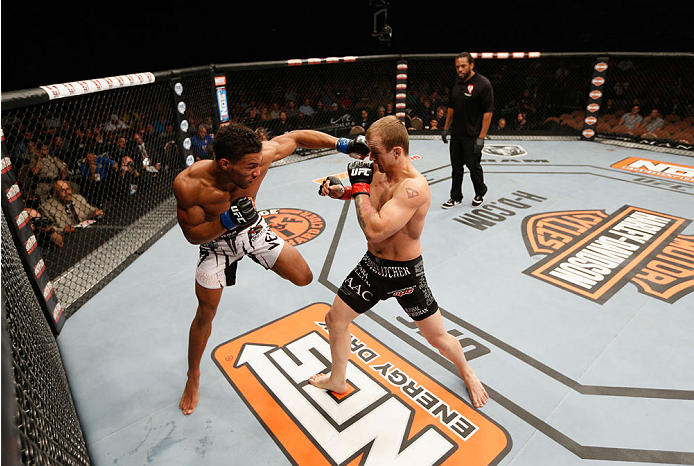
<point x="392" y="131"/>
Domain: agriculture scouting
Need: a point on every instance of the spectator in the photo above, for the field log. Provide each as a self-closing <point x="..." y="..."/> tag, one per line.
<point x="95" y="170"/>
<point x="306" y="108"/>
<point x="275" y="111"/>
<point x="142" y="155"/>
<point x="527" y="105"/>
<point x="150" y="137"/>
<point x="381" y="112"/>
<point x="427" y="112"/>
<point x="209" y="125"/>
<point x="416" y="124"/>
<point x="79" y="143"/>
<point x="632" y="119"/>
<point x="52" y="121"/>
<point x="114" y="124"/>
<point x="46" y="169"/>
<point x="521" y="121"/>
<point x="300" y="122"/>
<point x="364" y="119"/>
<point x="20" y="153"/>
<point x="675" y="107"/>
<point x="357" y="130"/>
<point x="609" y="107"/>
<point x="263" y="133"/>
<point x="127" y="179"/>
<point x="501" y="126"/>
<point x="99" y="141"/>
<point x="159" y="126"/>
<point x="434" y="125"/>
<point x="282" y="125"/>
<point x="120" y="149"/>
<point x="652" y="123"/>
<point x="440" y="116"/>
<point x="252" y="119"/>
<point x="202" y="144"/>
<point x="44" y="231"/>
<point x="292" y="111"/>
<point x="59" y="148"/>
<point x="264" y="113"/>
<point x="167" y="135"/>
<point x="66" y="210"/>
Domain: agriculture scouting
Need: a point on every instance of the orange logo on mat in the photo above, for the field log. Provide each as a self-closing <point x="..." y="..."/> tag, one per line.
<point x="594" y="254"/>
<point x="392" y="414"/>
<point x="652" y="167"/>
<point x="296" y="226"/>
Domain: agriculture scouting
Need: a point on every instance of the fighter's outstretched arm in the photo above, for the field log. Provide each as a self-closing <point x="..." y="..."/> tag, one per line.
<point x="287" y="143"/>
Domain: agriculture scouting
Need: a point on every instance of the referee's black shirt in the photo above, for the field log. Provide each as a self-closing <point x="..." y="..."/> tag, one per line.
<point x="470" y="100"/>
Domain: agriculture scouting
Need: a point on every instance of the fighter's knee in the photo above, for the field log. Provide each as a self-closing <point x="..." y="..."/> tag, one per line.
<point x="328" y="319"/>
<point x="439" y="341"/>
<point x="205" y="313"/>
<point x="305" y="278"/>
<point x="332" y="323"/>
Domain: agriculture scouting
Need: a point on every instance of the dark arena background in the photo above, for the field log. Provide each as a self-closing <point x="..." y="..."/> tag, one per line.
<point x="556" y="112"/>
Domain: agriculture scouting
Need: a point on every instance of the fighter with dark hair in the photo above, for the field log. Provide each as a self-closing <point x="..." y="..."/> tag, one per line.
<point x="216" y="209"/>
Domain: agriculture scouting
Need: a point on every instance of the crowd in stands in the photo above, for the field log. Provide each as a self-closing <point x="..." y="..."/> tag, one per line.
<point x="73" y="171"/>
<point x="651" y="120"/>
<point x="108" y="159"/>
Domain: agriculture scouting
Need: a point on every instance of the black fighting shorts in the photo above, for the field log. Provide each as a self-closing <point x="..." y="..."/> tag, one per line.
<point x="375" y="279"/>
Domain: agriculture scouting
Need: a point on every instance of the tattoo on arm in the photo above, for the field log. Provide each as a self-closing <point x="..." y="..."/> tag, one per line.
<point x="412" y="193"/>
<point x="364" y="209"/>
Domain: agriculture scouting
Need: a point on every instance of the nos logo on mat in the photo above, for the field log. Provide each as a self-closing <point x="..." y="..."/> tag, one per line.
<point x="392" y="413"/>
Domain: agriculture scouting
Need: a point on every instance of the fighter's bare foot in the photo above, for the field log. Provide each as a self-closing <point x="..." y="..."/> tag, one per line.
<point x="478" y="394"/>
<point x="323" y="381"/>
<point x="189" y="400"/>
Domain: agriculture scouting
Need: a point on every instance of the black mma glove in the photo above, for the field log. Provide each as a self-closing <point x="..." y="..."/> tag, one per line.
<point x="356" y="148"/>
<point x="479" y="145"/>
<point x="444" y="136"/>
<point x="342" y="192"/>
<point x="241" y="213"/>
<point x="360" y="175"/>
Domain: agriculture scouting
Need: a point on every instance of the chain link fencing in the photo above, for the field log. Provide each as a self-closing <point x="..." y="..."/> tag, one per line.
<point x="46" y="431"/>
<point x="92" y="162"/>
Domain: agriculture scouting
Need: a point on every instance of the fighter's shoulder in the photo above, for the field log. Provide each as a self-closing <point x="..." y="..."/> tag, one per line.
<point x="270" y="148"/>
<point x="415" y="187"/>
<point x="187" y="184"/>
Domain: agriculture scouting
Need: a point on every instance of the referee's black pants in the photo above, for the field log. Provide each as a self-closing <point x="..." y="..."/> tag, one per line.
<point x="463" y="155"/>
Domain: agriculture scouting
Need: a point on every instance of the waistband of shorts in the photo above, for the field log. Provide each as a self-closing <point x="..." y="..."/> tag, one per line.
<point x="236" y="231"/>
<point x="390" y="263"/>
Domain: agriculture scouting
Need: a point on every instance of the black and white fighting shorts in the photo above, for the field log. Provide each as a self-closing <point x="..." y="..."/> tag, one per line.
<point x="218" y="258"/>
<point x="375" y="279"/>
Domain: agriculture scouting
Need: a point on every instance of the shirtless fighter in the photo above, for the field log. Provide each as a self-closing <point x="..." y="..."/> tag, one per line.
<point x="391" y="199"/>
<point x="216" y="209"/>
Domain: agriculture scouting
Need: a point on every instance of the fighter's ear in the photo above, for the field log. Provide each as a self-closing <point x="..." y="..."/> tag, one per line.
<point x="224" y="163"/>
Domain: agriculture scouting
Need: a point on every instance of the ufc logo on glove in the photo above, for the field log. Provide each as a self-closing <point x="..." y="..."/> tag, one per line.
<point x="360" y="171"/>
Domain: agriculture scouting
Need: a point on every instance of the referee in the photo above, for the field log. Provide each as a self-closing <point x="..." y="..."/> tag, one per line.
<point x="470" y="108"/>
